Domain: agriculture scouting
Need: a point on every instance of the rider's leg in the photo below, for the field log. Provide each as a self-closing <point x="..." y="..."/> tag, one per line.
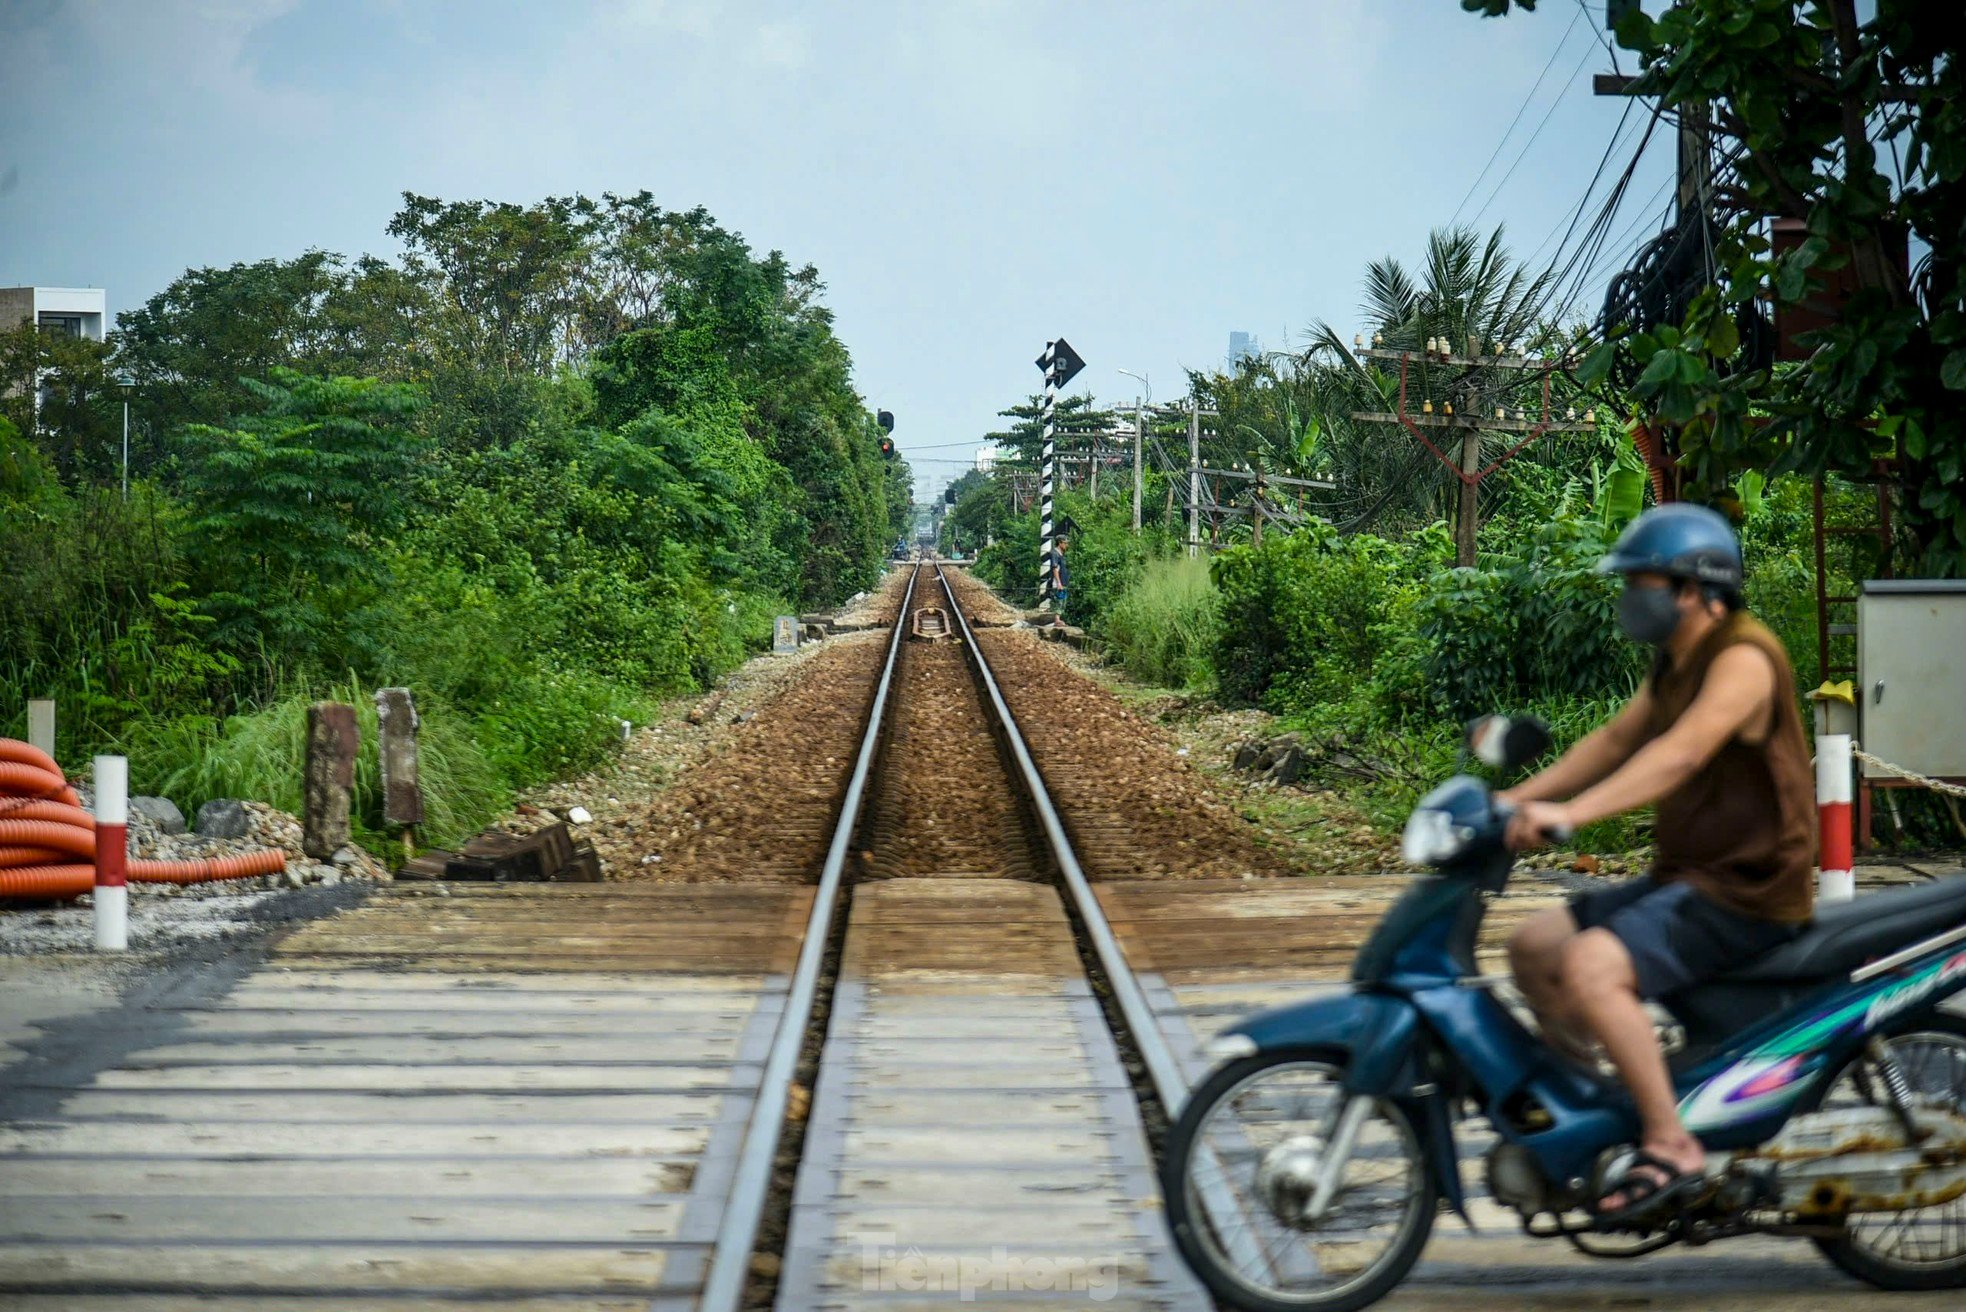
<point x="1536" y="957"/>
<point x="1603" y="985"/>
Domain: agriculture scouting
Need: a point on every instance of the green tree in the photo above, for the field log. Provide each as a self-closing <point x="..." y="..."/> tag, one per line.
<point x="1853" y="126"/>
<point x="1075" y="422"/>
<point x="58" y="391"/>
<point x="189" y="349"/>
<point x="291" y="505"/>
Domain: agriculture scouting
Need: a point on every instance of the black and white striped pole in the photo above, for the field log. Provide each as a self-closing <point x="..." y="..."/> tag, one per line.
<point x="1060" y="364"/>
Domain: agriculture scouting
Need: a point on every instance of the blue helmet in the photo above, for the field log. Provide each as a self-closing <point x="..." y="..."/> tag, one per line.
<point x="1681" y="541"/>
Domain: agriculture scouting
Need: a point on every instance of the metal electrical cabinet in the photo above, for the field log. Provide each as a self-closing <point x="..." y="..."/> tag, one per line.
<point x="1911" y="675"/>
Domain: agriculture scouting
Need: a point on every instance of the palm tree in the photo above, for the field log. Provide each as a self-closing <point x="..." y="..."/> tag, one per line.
<point x="1472" y="294"/>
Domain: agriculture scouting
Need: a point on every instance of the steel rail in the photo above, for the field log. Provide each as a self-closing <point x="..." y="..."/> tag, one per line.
<point x="1134" y="1009"/>
<point x="730" y="1264"/>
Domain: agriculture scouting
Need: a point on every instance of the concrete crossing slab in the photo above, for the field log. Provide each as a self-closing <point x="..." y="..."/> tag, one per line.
<point x="973" y="1134"/>
<point x="537" y="1094"/>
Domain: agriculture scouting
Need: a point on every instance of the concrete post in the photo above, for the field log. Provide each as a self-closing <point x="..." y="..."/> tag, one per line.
<point x="396" y="725"/>
<point x="1835" y="880"/>
<point x="41" y="724"/>
<point x="112" y="891"/>
<point x="329" y="778"/>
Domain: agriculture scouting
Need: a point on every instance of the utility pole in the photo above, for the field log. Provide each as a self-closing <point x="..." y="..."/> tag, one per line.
<point x="1194" y="479"/>
<point x="1466" y="464"/>
<point x="1139" y="479"/>
<point x="1256" y="508"/>
<point x="1467" y="520"/>
<point x="1139" y="439"/>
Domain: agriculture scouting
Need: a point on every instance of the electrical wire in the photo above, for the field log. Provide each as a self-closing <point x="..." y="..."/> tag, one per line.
<point x="1521" y="109"/>
<point x="1523" y="153"/>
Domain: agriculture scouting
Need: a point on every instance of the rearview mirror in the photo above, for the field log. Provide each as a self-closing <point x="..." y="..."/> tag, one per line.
<point x="1507" y="742"/>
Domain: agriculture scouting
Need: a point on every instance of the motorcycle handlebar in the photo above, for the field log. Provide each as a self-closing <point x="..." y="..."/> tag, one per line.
<point x="1553" y="834"/>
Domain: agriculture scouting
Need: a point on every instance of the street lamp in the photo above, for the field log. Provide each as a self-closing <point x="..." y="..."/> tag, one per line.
<point x="1139" y="436"/>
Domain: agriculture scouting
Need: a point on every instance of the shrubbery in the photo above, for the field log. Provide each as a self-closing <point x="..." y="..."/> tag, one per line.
<point x="565" y="493"/>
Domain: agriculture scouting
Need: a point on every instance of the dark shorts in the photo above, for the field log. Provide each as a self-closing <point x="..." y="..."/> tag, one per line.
<point x="1676" y="938"/>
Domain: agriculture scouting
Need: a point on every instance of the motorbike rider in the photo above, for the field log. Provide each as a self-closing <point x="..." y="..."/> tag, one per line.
<point x="1713" y="739"/>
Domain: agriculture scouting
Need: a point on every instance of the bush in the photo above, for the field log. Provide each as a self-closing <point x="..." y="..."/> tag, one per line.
<point x="1306" y="617"/>
<point x="1165" y="625"/>
<point x="1538" y="622"/>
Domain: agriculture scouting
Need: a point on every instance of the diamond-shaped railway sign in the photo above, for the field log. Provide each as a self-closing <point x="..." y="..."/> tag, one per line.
<point x="1061" y="364"/>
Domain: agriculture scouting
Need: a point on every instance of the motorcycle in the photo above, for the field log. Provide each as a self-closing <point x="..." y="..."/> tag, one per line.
<point x="1827" y="1085"/>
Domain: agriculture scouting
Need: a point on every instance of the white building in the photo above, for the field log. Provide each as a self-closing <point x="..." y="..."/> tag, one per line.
<point x="986" y="458"/>
<point x="76" y="311"/>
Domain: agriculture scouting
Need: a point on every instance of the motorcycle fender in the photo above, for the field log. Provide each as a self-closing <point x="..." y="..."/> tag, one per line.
<point x="1379" y="1039"/>
<point x="1373" y="1031"/>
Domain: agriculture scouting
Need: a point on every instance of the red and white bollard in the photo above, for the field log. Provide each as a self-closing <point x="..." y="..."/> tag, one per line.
<point x="1835" y="881"/>
<point x="112" y="894"/>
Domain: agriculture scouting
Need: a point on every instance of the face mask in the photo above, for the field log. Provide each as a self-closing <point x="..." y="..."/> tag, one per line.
<point x="1648" y="614"/>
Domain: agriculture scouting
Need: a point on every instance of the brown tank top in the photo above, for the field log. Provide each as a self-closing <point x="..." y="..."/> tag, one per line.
<point x="1743" y="829"/>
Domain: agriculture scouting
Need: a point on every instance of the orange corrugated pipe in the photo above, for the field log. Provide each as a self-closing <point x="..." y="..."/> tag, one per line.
<point x="48" y="881"/>
<point x="46" y="833"/>
<point x="43" y="829"/>
<point x="31" y="856"/>
<point x="19" y="779"/>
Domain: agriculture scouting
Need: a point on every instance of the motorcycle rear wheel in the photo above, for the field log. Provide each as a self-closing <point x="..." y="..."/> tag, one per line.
<point x="1235" y="1121"/>
<point x="1874" y="1246"/>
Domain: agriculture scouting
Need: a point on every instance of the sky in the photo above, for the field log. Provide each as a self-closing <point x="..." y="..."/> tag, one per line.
<point x="972" y="178"/>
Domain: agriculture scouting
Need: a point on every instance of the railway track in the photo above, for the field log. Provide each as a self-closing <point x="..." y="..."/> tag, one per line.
<point x="897" y="1038"/>
<point x="974" y="1127"/>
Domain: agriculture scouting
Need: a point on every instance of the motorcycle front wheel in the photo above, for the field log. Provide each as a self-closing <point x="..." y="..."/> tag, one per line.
<point x="1248" y="1138"/>
<point x="1918" y="1248"/>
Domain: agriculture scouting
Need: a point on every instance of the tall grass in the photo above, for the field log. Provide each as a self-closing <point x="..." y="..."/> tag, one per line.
<point x="259" y="755"/>
<point x="1163" y="626"/>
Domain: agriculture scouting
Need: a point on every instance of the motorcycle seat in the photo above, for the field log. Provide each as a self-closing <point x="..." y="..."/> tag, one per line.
<point x="1844" y="935"/>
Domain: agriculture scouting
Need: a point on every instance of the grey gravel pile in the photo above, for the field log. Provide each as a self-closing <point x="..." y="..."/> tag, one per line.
<point x="241" y="827"/>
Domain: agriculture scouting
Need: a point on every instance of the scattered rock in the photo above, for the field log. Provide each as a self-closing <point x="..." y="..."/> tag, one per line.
<point x="1288" y="766"/>
<point x="223" y="817"/>
<point x="706" y="708"/>
<point x="161" y="812"/>
<point x="1586" y="864"/>
<point x="579" y="815"/>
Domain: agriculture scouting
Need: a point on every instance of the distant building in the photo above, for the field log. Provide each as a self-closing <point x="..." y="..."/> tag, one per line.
<point x="1241" y="347"/>
<point x="76" y="311"/>
<point x="986" y="458"/>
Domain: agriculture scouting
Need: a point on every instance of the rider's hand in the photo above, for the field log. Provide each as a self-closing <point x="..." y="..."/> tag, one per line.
<point x="1532" y="822"/>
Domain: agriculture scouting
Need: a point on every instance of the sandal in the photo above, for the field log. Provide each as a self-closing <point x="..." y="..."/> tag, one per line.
<point x="1644" y="1194"/>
